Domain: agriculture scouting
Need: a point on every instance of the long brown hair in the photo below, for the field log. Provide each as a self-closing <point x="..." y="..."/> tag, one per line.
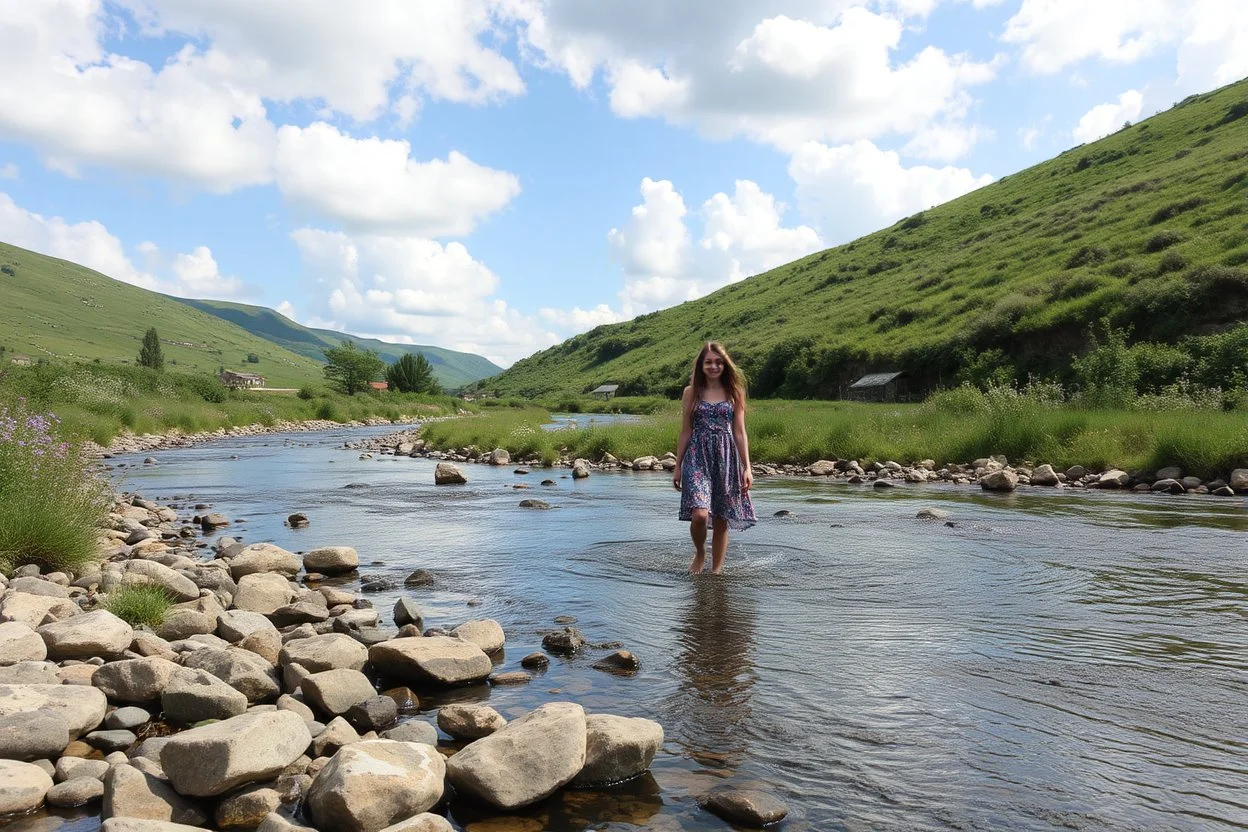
<point x="732" y="379"/>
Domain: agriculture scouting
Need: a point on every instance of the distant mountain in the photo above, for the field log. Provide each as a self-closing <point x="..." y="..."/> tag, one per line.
<point x="56" y="310"/>
<point x="452" y="369"/>
<point x="1147" y="228"/>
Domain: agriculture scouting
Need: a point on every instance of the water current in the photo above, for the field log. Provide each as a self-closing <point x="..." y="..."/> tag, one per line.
<point x="1046" y="660"/>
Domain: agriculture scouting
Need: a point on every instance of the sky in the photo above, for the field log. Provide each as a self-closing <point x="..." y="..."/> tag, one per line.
<point x="495" y="176"/>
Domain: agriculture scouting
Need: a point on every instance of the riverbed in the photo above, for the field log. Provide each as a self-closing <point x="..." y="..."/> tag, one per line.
<point x="1045" y="660"/>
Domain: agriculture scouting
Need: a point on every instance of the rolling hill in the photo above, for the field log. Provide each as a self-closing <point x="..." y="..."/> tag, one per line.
<point x="452" y="369"/>
<point x="1146" y="228"/>
<point x="58" y="310"/>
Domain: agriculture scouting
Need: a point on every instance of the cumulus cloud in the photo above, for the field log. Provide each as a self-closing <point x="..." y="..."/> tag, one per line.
<point x="809" y="71"/>
<point x="410" y="290"/>
<point x="857" y="188"/>
<point x="374" y="185"/>
<point x="1104" y="119"/>
<point x="90" y="244"/>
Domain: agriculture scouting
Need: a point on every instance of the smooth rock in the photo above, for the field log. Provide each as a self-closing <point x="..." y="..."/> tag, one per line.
<point x="33" y="736"/>
<point x="333" y="692"/>
<point x="23" y="786"/>
<point x="373" y="714"/>
<point x="447" y="474"/>
<point x="370" y="785"/>
<point x="247" y="808"/>
<point x="469" y="722"/>
<point x="617" y="748"/>
<point x="81" y="707"/>
<point x="76" y="792"/>
<point x="436" y="659"/>
<point x="1000" y="480"/>
<point x="242" y="670"/>
<point x="20" y="643"/>
<point x="96" y="633"/>
<point x="195" y="695"/>
<point x="748" y="807"/>
<point x="331" y="560"/>
<point x="331" y="651"/>
<point x="486" y="633"/>
<point x="134" y="680"/>
<point x="413" y="731"/>
<point x="264" y="557"/>
<point x="131" y="793"/>
<point x="215" y="758"/>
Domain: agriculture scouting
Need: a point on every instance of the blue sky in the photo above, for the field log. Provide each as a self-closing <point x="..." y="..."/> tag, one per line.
<point x="497" y="175"/>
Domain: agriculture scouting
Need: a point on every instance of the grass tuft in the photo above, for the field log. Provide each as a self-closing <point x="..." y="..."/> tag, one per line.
<point x="139" y="604"/>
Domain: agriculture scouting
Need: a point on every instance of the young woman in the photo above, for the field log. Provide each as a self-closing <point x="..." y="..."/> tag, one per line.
<point x="713" y="456"/>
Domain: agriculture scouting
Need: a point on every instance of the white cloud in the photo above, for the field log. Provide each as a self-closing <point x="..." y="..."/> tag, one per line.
<point x="944" y="142"/>
<point x="1104" y="119"/>
<point x="655" y="240"/>
<point x="857" y="188"/>
<point x="579" y="320"/>
<point x="1215" y="50"/>
<point x="410" y="290"/>
<point x="9" y="171"/>
<point x="90" y="244"/>
<point x="743" y="234"/>
<point x="374" y="185"/>
<point x="811" y="70"/>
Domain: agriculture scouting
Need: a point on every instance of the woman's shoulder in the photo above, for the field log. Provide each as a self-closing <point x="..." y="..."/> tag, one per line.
<point x="687" y="395"/>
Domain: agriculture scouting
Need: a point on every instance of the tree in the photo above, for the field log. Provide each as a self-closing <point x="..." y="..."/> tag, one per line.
<point x="252" y="358"/>
<point x="351" y="368"/>
<point x="150" y="354"/>
<point x="413" y="374"/>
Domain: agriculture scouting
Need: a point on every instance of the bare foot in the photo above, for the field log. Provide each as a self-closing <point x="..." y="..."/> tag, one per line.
<point x="718" y="571"/>
<point x="699" y="561"/>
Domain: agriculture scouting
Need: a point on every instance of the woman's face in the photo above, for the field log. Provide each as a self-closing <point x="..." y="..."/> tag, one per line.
<point x="713" y="365"/>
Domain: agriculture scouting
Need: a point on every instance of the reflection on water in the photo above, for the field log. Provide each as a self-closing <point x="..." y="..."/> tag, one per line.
<point x="715" y="662"/>
<point x="1050" y="660"/>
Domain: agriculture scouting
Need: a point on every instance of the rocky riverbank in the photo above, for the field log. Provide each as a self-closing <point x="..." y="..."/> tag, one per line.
<point x="994" y="473"/>
<point x="130" y="443"/>
<point x="267" y="699"/>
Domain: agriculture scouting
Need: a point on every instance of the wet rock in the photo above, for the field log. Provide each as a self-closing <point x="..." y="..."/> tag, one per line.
<point x="143" y="825"/>
<point x="1044" y="475"/>
<point x="486" y="633"/>
<point x="514" y="677"/>
<point x="1113" y="478"/>
<point x="932" y="514"/>
<point x="32" y="736"/>
<point x="621" y="662"/>
<point x="331" y="560"/>
<point x="617" y="748"/>
<point x="538" y="504"/>
<point x="215" y="520"/>
<point x="215" y="758"/>
<point x="23" y="786"/>
<point x="469" y="722"/>
<point x="376" y="584"/>
<point x="748" y="807"/>
<point x="437" y="659"/>
<point x="421" y="577"/>
<point x="1002" y="479"/>
<point x="264" y="557"/>
<point x="1224" y="491"/>
<point x="448" y="474"/>
<point x="298" y="520"/>
<point x="407" y="611"/>
<point x="413" y="731"/>
<point x="882" y="483"/>
<point x="1168" y="486"/>
<point x="580" y="471"/>
<point x="373" y="714"/>
<point x="535" y="661"/>
<point x="76" y="792"/>
<point x="552" y="482"/>
<point x="525" y="761"/>
<point x="567" y="640"/>
<point x="370" y="785"/>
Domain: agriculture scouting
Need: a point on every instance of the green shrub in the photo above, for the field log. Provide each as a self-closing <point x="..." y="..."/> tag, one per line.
<point x="306" y="393"/>
<point x="1162" y="240"/>
<point x="139" y="604"/>
<point x="51" y="503"/>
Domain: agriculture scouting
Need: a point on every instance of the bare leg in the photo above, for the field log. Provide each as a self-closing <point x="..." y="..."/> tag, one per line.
<point x="719" y="543"/>
<point x="697" y="530"/>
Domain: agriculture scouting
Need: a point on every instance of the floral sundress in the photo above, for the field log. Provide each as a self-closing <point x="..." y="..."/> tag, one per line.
<point x="711" y="476"/>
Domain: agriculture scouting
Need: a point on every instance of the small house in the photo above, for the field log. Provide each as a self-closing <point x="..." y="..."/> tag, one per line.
<point x="606" y="391"/>
<point x="21" y="360"/>
<point x="881" y="387"/>
<point x="234" y="380"/>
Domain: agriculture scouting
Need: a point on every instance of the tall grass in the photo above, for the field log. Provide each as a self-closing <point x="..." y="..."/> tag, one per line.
<point x="139" y="604"/>
<point x="51" y="503"/>
<point x="956" y="426"/>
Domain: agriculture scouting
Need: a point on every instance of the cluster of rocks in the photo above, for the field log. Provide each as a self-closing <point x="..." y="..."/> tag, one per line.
<point x="255" y="703"/>
<point x="131" y="443"/>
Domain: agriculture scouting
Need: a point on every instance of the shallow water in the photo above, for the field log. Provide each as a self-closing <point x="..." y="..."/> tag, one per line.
<point x="1054" y="660"/>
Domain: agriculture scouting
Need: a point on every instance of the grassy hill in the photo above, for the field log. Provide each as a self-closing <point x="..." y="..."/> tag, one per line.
<point x="452" y="369"/>
<point x="1147" y="227"/>
<point x="57" y="310"/>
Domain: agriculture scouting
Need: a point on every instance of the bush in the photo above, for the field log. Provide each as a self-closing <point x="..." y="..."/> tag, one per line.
<point x="51" y="503"/>
<point x="139" y="604"/>
<point x="1108" y="372"/>
<point x="1162" y="240"/>
<point x="306" y="393"/>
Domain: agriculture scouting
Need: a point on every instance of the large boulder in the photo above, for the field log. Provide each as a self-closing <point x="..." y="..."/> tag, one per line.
<point x="215" y="758"/>
<point x="236" y="625"/>
<point x="20" y="643"/>
<point x="242" y="670"/>
<point x="331" y="651"/>
<point x="331" y="560"/>
<point x="264" y="557"/>
<point x="1044" y="475"/>
<point x="617" y="748"/>
<point x="86" y="636"/>
<point x="131" y="793"/>
<point x="23" y="786"/>
<point x="195" y="695"/>
<point x="1239" y="480"/>
<point x="29" y="673"/>
<point x="335" y="691"/>
<point x="447" y="474"/>
<point x="134" y="680"/>
<point x="435" y="659"/>
<point x="150" y="573"/>
<point x="1113" y="478"/>
<point x="82" y="707"/>
<point x="486" y="633"/>
<point x="370" y="785"/>
<point x="526" y="761"/>
<point x="27" y="736"/>
<point x="36" y="610"/>
<point x="1002" y="479"/>
<point x="180" y="624"/>
<point x="500" y="456"/>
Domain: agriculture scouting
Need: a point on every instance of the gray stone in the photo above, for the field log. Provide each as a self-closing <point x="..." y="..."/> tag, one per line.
<point x="932" y="514"/>
<point x="373" y="714"/>
<point x="96" y="633"/>
<point x="424" y="822"/>
<point x="1113" y="478"/>
<point x="436" y="659"/>
<point x="337" y="734"/>
<point x="70" y="768"/>
<point x="236" y="625"/>
<point x="32" y="736"/>
<point x="247" y="808"/>
<point x="76" y="792"/>
<point x="81" y="707"/>
<point x="447" y="474"/>
<point x="1000" y="480"/>
<point x="748" y="807"/>
<point x="29" y="673"/>
<point x="1044" y="475"/>
<point x="20" y="643"/>
<point x="38" y="586"/>
<point x="413" y="731"/>
<point x="134" y="680"/>
<point x="526" y="761"/>
<point x="195" y="695"/>
<point x="113" y="740"/>
<point x="264" y="557"/>
<point x="180" y="624"/>
<point x="333" y="692"/>
<point x="331" y="651"/>
<point x="486" y="633"/>
<point x="242" y="670"/>
<point x="36" y="610"/>
<point x="1239" y="480"/>
<point x="127" y="718"/>
<point x="150" y="573"/>
<point x="131" y="793"/>
<point x="469" y="722"/>
<point x="407" y="611"/>
<point x="215" y="758"/>
<point x="370" y="785"/>
<point x="23" y="786"/>
<point x="331" y="560"/>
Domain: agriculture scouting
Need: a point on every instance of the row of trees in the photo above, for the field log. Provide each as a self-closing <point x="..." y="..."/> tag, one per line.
<point x="351" y="369"/>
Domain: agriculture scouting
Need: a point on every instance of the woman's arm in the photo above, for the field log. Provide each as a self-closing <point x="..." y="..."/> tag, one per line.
<point x="743" y="443"/>
<point x="686" y="431"/>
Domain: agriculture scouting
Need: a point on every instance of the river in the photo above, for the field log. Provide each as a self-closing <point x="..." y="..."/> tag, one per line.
<point x="1048" y="660"/>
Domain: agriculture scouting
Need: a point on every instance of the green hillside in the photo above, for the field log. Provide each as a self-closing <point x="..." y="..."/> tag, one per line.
<point x="56" y="310"/>
<point x="1147" y="227"/>
<point x="453" y="369"/>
